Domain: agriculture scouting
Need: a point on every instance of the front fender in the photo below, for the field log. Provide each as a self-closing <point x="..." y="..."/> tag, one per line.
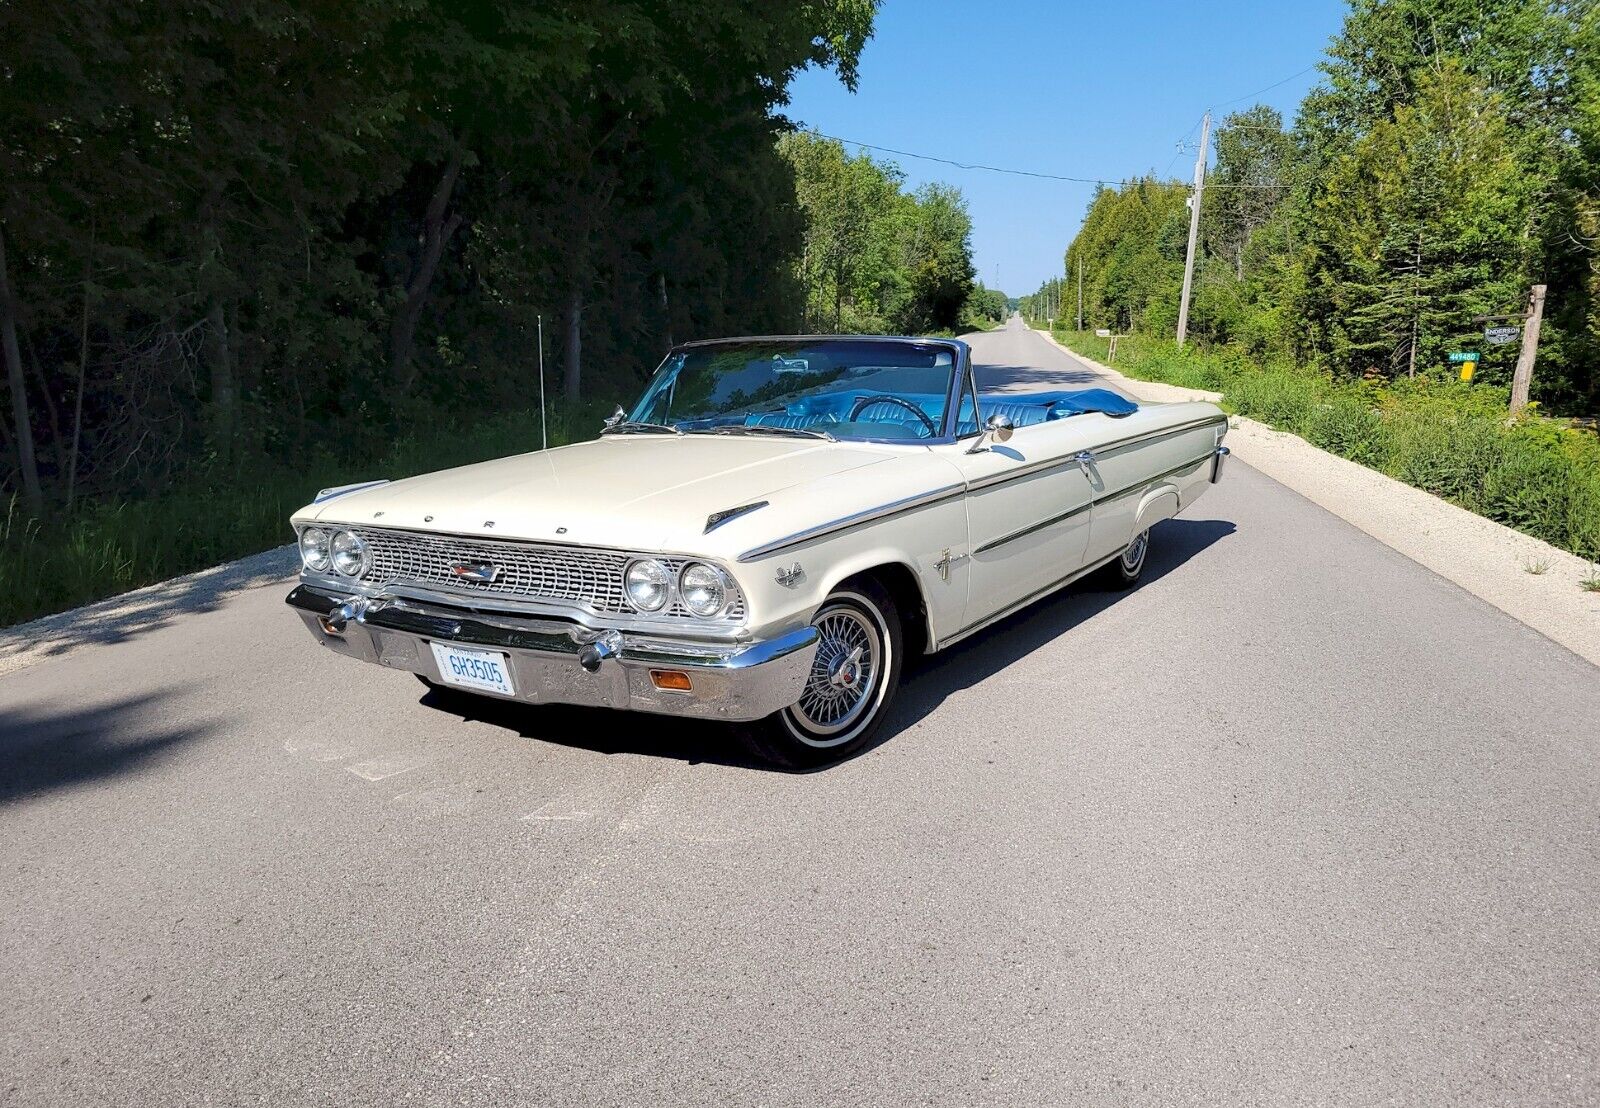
<point x="779" y="600"/>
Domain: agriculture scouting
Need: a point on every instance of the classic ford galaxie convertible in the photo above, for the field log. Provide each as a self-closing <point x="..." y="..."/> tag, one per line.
<point x="765" y="536"/>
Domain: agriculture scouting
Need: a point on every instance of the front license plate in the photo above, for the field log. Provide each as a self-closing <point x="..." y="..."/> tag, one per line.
<point x="487" y="670"/>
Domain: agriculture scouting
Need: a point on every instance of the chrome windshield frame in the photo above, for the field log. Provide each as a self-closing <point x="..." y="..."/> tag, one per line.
<point x="961" y="371"/>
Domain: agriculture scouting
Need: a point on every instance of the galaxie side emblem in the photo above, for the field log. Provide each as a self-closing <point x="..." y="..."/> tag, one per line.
<point x="481" y="573"/>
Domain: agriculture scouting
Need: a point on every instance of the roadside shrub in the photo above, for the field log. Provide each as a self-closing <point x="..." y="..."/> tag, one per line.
<point x="1283" y="400"/>
<point x="1531" y="489"/>
<point x="1447" y="457"/>
<point x="1347" y="425"/>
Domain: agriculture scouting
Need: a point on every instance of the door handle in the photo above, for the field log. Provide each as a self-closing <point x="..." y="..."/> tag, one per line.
<point x="1085" y="459"/>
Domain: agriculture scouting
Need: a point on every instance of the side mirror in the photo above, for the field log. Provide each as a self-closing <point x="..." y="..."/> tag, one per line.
<point x="997" y="428"/>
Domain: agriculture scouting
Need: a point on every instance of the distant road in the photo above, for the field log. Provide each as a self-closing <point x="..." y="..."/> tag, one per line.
<point x="1293" y="822"/>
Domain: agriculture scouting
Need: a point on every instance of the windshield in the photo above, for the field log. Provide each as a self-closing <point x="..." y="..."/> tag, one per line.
<point x="827" y="388"/>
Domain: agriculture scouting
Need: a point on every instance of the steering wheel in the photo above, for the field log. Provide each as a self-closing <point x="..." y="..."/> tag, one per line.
<point x="864" y="402"/>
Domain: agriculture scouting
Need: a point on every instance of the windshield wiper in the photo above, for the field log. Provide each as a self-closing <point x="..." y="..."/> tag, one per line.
<point x="760" y="429"/>
<point x="634" y="427"/>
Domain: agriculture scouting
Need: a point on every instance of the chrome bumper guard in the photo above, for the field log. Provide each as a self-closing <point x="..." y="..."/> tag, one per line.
<point x="1216" y="465"/>
<point x="553" y="661"/>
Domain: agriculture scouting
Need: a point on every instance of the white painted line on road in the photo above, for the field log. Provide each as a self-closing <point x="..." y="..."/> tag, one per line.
<point x="558" y="810"/>
<point x="319" y="751"/>
<point x="376" y="769"/>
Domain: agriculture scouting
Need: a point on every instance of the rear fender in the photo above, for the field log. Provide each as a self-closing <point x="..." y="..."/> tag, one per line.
<point x="1158" y="504"/>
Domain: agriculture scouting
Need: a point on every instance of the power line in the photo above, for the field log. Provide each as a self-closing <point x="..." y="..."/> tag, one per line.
<point x="1012" y="172"/>
<point x="974" y="165"/>
<point x="1269" y="88"/>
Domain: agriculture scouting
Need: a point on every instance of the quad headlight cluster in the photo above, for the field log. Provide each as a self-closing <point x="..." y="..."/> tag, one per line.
<point x="342" y="552"/>
<point x="704" y="590"/>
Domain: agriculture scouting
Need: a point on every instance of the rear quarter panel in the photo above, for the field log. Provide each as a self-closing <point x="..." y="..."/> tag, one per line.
<point x="1150" y="470"/>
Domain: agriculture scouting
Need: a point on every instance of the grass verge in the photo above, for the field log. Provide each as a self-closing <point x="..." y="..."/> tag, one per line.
<point x="1538" y="475"/>
<point x="62" y="561"/>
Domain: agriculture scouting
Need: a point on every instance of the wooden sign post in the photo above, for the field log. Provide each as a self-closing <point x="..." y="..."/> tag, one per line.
<point x="1530" y="349"/>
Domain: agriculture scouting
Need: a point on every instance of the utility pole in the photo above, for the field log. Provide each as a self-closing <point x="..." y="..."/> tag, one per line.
<point x="1194" y="228"/>
<point x="1530" y="349"/>
<point x="1080" y="292"/>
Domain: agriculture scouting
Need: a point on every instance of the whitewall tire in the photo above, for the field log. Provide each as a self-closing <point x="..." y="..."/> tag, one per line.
<point x="853" y="680"/>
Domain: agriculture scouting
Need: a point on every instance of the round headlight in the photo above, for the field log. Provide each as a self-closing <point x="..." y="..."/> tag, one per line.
<point x="705" y="590"/>
<point x="314" y="549"/>
<point x="648" y="584"/>
<point x="349" y="553"/>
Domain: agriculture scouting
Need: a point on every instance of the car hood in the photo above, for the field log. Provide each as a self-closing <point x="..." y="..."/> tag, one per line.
<point x="640" y="492"/>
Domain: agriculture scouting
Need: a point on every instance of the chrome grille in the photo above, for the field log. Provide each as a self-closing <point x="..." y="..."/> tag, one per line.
<point x="528" y="571"/>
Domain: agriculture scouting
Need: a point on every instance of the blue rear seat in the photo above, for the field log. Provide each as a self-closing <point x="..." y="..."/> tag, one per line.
<point x="787" y="419"/>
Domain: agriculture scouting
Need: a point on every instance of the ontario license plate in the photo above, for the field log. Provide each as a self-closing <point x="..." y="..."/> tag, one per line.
<point x="485" y="670"/>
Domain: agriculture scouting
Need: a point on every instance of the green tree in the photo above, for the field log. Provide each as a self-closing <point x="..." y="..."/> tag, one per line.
<point x="1424" y="223"/>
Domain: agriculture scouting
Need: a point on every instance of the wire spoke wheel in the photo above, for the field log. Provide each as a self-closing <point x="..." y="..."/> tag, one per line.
<point x="847" y="678"/>
<point x="1133" y="557"/>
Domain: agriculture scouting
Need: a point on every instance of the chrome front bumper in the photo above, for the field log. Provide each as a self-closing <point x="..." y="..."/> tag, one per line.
<point x="553" y="661"/>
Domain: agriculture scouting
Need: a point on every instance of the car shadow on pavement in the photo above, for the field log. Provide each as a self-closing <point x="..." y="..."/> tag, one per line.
<point x="926" y="683"/>
<point x="971" y="661"/>
<point x="42" y="749"/>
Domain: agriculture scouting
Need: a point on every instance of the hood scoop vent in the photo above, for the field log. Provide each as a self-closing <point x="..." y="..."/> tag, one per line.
<point x="717" y="519"/>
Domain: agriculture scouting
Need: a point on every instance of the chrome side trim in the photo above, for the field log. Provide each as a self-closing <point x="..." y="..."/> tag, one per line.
<point x="974" y="628"/>
<point x="911" y="503"/>
<point x="1143" y="482"/>
<point x="1031" y="528"/>
<point x="1116" y="444"/>
<point x="849" y="522"/>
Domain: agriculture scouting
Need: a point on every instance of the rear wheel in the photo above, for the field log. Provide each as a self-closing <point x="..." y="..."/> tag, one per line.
<point x="1125" y="571"/>
<point x="853" y="678"/>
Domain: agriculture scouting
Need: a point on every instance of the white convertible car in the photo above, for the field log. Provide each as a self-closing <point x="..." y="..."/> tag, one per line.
<point x="765" y="536"/>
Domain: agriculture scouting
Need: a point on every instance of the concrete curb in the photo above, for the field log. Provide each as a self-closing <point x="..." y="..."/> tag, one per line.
<point x="1489" y="560"/>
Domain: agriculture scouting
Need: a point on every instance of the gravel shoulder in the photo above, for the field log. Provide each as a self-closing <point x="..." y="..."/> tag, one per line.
<point x="1530" y="580"/>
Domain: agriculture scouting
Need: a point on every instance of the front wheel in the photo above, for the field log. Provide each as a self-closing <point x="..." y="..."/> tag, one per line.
<point x="853" y="678"/>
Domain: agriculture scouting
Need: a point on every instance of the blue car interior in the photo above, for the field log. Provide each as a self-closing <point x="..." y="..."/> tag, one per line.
<point x="821" y="411"/>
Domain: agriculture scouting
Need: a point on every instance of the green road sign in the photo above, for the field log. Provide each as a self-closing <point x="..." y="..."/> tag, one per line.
<point x="1464" y="356"/>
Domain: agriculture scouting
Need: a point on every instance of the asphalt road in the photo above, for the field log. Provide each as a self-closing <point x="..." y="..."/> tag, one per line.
<point x="1293" y="822"/>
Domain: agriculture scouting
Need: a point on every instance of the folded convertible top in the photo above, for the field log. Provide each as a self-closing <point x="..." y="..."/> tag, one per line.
<point x="1094" y="400"/>
<point x="1026" y="409"/>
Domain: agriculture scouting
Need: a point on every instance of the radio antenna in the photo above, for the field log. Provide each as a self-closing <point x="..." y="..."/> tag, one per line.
<point x="544" y="432"/>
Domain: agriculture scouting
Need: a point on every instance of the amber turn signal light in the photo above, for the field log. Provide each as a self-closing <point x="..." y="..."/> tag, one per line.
<point x="673" y="680"/>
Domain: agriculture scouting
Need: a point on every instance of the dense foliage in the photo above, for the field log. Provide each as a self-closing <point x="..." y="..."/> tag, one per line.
<point x="877" y="259"/>
<point x="1449" y="160"/>
<point x="230" y="234"/>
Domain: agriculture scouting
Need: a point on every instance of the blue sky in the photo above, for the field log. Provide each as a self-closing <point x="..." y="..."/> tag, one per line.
<point x="1078" y="88"/>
